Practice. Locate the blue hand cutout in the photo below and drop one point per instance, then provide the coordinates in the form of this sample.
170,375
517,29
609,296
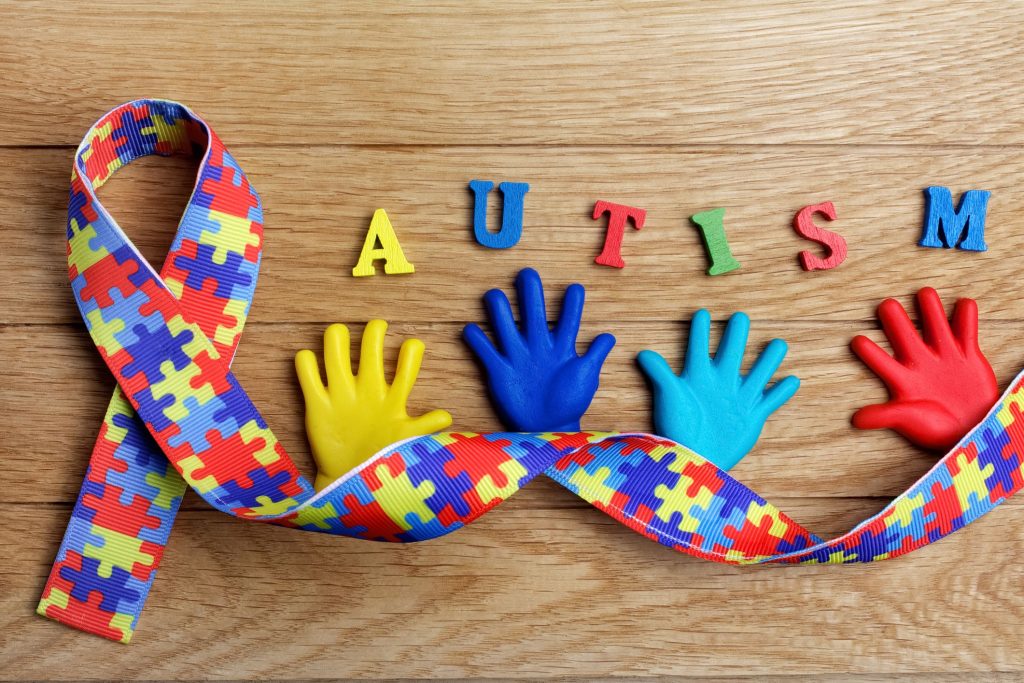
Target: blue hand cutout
536,380
711,408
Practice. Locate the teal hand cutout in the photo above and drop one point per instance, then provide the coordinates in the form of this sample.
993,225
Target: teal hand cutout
711,408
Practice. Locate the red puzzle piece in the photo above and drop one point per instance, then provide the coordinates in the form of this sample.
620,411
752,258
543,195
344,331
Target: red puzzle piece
478,457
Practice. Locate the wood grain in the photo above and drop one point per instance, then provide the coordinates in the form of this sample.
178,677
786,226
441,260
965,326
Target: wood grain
337,109
578,72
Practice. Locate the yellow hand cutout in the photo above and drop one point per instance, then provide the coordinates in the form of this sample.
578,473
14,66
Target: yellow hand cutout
354,417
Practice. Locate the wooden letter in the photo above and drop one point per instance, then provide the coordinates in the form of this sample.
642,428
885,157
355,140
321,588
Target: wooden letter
713,232
835,245
942,221
611,255
511,214
390,250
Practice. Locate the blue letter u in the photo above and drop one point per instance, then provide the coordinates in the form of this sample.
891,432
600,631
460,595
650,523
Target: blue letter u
511,215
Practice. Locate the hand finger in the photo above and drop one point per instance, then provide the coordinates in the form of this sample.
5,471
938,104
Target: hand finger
336,358
729,355
434,421
656,368
308,372
410,357
570,315
697,348
598,352
779,393
371,357
965,323
934,323
499,311
766,365
904,339
532,310
481,346
878,361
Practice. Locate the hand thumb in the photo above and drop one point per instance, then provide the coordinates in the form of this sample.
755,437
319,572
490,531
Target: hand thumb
598,351
922,423
885,416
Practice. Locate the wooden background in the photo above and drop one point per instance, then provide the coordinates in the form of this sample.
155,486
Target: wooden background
336,109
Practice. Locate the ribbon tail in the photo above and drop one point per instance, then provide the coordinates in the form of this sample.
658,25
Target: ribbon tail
118,531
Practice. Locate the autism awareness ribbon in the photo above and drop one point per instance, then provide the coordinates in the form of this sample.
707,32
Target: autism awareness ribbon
180,418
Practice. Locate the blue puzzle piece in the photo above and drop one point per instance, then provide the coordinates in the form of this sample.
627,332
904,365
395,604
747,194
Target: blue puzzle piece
236,407
534,456
421,531
115,589
137,136
77,201
669,533
234,494
80,531
152,410
719,516
429,466
234,271
200,420
870,543
800,542
152,348
1004,465
640,477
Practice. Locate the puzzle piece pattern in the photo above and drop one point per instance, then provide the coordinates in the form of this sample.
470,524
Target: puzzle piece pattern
180,418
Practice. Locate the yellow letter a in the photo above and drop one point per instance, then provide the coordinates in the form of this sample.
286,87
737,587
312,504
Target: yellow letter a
390,250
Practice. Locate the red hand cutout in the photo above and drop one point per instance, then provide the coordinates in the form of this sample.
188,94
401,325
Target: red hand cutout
940,385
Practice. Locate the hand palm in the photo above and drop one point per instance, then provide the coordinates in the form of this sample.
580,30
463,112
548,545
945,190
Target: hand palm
709,416
711,408
544,390
536,379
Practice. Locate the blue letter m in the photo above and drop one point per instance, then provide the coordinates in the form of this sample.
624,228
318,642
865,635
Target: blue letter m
945,227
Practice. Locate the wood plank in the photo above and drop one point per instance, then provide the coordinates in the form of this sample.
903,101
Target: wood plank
319,202
514,595
808,448
478,73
